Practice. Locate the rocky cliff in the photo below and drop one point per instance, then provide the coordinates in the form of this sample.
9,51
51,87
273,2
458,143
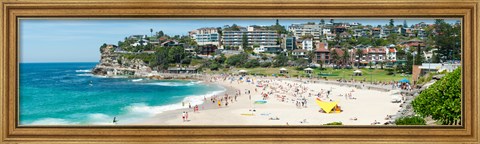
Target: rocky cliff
112,63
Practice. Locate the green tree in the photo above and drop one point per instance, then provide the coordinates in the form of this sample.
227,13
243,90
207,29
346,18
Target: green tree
391,23
280,60
442,100
392,38
301,62
447,40
321,64
266,64
401,54
221,59
381,64
435,58
252,63
409,64
410,120
359,53
345,57
419,56
322,21
245,42
176,54
405,24
161,58
335,58
151,32
237,60
370,64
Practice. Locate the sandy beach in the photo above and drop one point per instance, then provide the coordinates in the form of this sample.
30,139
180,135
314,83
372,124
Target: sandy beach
360,106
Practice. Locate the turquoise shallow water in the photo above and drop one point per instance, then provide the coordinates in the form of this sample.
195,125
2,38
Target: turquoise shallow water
66,93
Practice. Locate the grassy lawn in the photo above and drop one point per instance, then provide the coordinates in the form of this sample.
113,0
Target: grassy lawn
368,74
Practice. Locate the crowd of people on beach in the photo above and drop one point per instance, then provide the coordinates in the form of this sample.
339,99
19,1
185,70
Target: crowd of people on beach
290,91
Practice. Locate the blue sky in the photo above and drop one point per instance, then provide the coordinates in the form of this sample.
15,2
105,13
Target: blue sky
78,40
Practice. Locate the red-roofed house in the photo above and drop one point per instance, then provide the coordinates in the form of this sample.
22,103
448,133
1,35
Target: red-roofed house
392,54
322,54
378,54
360,59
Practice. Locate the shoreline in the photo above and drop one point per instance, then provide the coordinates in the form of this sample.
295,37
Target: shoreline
239,113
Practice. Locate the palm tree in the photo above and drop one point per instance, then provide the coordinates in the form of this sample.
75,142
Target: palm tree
321,64
381,64
151,31
359,53
345,56
335,57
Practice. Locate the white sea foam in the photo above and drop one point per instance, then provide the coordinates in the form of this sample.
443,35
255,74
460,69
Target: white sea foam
52,121
174,83
142,109
85,74
83,71
99,119
133,113
137,80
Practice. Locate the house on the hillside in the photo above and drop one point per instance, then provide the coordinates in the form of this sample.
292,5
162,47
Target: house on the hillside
182,70
378,54
171,43
330,37
361,59
392,54
141,42
207,49
299,53
307,44
322,54
274,49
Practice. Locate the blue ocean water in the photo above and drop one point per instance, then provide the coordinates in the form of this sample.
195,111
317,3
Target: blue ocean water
66,93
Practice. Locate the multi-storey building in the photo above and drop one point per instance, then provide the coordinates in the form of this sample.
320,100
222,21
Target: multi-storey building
299,30
392,54
289,43
361,58
259,37
205,36
377,54
307,44
322,54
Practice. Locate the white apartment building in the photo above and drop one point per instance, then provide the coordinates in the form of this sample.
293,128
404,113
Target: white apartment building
205,36
307,44
254,36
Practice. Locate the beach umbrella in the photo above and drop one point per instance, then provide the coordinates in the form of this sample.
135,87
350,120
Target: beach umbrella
326,106
404,80
308,70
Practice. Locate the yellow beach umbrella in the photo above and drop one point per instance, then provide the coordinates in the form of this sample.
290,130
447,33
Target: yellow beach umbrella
326,106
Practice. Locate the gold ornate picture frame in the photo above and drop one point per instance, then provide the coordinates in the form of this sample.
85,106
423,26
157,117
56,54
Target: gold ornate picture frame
12,11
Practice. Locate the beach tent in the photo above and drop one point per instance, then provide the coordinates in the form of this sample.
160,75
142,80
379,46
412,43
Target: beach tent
404,80
327,106
357,72
242,71
283,70
308,70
